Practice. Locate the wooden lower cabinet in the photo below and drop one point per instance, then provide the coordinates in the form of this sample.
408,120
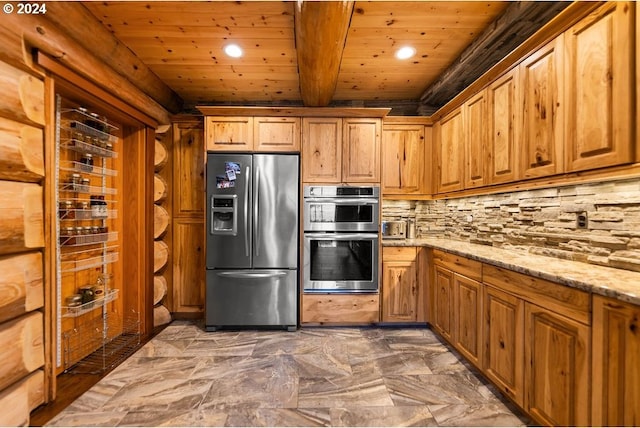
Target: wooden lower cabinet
402,296
616,363
468,318
188,266
504,342
557,358
443,302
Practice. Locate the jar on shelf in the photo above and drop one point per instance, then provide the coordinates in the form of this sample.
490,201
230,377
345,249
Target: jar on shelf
95,230
79,234
98,207
86,162
65,210
85,184
83,210
104,229
67,236
75,182
109,146
74,300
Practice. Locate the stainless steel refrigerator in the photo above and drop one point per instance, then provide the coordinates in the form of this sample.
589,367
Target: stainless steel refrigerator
252,240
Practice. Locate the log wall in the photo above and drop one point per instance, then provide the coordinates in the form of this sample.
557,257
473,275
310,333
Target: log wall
162,231
22,286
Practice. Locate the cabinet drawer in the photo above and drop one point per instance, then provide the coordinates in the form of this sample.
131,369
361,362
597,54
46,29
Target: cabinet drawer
340,308
460,265
391,254
573,303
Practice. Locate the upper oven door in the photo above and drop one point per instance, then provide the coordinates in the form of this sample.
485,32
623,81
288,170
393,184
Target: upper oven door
341,214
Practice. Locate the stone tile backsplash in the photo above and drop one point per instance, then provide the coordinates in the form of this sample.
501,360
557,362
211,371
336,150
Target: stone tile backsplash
596,223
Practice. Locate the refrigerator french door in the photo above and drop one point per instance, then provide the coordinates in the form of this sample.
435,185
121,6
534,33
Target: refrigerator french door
252,240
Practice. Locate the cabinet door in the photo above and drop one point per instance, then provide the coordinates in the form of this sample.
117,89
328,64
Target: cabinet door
468,318
599,88
276,134
616,363
557,372
504,119
475,111
403,159
443,311
504,342
321,150
188,265
229,133
399,285
361,150
543,124
450,152
188,169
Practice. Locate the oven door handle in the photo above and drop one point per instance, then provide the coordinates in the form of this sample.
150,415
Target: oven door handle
340,236
343,201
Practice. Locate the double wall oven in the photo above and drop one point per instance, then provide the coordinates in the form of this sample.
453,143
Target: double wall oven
341,239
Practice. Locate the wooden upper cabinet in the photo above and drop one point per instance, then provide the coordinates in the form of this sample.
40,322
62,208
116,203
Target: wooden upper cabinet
361,150
322,150
188,167
403,159
504,113
276,134
226,133
450,152
599,88
475,111
542,142
615,363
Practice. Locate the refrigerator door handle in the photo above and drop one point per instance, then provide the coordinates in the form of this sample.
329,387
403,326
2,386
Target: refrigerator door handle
256,213
252,275
246,211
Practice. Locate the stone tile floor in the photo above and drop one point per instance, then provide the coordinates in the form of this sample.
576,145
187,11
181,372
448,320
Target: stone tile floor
313,377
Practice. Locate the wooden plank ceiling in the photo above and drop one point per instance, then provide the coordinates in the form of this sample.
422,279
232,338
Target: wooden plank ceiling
182,43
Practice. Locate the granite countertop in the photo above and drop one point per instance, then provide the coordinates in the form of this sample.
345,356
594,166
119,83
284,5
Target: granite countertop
621,284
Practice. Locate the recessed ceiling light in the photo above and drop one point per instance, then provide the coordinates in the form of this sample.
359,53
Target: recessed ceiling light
405,52
233,51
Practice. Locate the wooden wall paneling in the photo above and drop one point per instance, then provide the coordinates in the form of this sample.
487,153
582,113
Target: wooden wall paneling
321,150
15,405
164,171
21,284
504,120
599,88
541,75
476,149
450,152
137,224
21,217
23,96
21,151
361,150
21,347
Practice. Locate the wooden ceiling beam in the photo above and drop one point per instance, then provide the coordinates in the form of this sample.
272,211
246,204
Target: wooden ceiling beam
321,31
516,24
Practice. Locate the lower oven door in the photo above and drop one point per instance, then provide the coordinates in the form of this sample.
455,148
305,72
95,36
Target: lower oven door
341,262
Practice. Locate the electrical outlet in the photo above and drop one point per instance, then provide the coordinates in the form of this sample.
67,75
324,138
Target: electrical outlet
582,221
469,218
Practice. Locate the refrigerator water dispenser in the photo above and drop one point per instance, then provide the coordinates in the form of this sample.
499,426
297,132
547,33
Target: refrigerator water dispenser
224,212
